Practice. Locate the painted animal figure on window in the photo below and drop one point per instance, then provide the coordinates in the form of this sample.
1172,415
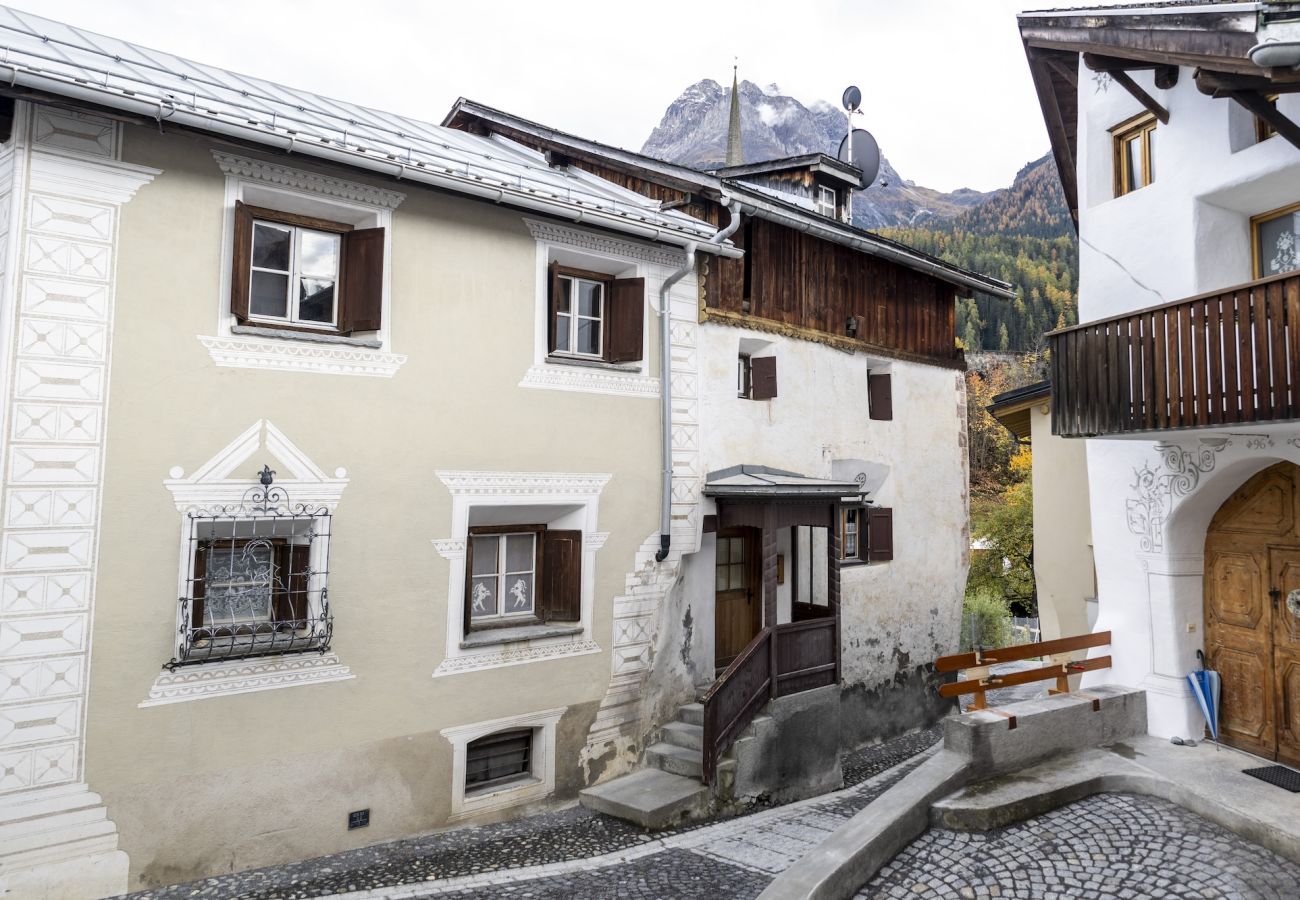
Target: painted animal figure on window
520,593
480,597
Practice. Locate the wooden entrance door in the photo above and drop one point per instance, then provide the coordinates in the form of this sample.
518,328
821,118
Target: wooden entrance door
737,604
1252,562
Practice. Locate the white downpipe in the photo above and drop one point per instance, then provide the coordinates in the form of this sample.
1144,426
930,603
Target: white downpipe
666,381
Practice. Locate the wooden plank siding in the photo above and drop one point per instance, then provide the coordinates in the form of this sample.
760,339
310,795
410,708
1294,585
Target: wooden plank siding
806,286
1222,358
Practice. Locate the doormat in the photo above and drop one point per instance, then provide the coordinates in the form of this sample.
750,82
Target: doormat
1278,775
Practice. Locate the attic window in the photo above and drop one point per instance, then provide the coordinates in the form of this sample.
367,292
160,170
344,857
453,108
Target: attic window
826,201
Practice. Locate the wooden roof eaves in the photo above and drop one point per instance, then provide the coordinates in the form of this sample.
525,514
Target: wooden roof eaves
1052,87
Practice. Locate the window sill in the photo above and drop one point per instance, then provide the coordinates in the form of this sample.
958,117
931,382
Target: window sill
312,337
493,636
241,351
224,678
632,368
505,787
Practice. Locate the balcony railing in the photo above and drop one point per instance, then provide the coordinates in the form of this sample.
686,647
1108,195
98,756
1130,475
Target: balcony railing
1225,358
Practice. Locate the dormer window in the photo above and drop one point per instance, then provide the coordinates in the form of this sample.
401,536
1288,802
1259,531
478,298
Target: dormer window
826,201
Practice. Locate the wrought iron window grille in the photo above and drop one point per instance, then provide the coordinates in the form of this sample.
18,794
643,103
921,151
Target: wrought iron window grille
256,579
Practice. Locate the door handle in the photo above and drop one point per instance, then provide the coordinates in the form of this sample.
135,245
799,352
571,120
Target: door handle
1275,594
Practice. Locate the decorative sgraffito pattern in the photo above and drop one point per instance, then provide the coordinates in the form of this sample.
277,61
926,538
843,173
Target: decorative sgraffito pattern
65,209
1157,490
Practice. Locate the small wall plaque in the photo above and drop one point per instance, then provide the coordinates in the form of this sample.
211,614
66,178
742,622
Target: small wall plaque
359,818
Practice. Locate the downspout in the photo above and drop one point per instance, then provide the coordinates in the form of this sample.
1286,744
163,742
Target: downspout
665,378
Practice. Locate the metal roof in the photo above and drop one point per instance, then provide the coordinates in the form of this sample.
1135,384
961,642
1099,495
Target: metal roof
1154,7
762,481
57,59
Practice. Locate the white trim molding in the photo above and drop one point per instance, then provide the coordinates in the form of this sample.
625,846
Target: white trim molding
573,496
276,186
540,784
223,679
220,484
598,252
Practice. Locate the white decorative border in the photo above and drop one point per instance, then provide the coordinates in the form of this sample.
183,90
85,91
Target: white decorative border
651,262
223,679
357,204
252,353
271,173
542,783
470,489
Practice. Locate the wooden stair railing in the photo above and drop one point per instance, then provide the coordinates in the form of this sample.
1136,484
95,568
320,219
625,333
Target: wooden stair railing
978,678
736,697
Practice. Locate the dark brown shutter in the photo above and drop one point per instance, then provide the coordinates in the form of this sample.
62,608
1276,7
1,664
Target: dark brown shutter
762,374
362,299
562,575
290,586
243,249
880,534
198,587
552,297
880,397
624,324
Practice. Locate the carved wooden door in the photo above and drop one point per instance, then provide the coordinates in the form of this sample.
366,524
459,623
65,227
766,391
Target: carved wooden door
737,601
1285,570
1252,563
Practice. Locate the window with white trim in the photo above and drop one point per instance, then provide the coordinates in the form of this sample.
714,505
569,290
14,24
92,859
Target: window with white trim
826,200
594,316
522,575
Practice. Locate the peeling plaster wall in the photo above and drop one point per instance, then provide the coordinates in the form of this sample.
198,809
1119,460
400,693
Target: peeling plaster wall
897,616
1186,233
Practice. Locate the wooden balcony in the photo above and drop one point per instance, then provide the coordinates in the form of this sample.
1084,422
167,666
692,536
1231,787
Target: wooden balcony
1231,357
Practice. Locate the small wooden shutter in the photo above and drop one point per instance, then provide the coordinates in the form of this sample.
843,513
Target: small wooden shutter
362,297
880,534
198,586
243,249
291,583
562,575
880,397
624,323
552,297
762,374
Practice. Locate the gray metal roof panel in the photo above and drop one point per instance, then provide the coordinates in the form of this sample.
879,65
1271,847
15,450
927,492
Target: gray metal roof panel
126,76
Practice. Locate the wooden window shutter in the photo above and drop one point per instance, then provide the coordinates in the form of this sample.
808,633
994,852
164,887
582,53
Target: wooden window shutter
362,296
880,534
243,249
762,373
552,297
624,324
562,575
290,591
198,588
880,397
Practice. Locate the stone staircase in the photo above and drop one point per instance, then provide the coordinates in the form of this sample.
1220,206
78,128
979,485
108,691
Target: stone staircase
670,788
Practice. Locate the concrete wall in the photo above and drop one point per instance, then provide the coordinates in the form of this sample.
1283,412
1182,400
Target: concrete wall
1063,568
1186,233
897,616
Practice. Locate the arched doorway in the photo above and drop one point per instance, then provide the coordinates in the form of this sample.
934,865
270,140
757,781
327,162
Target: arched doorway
1252,564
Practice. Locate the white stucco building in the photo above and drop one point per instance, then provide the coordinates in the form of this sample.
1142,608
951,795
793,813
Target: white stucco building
1173,126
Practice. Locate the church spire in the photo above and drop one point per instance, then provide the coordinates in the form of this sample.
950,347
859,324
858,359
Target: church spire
735,154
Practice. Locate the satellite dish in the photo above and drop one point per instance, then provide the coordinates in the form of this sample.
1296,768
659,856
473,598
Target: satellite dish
852,98
866,156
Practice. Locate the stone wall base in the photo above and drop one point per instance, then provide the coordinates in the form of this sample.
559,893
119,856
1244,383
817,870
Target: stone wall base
59,844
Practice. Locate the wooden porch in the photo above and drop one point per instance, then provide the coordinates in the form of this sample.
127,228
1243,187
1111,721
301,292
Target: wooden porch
1229,357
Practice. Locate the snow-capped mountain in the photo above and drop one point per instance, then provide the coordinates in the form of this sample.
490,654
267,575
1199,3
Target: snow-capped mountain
693,132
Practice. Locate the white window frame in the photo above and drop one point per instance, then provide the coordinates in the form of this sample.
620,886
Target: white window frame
501,575
295,277
540,783
824,206
577,496
574,317
218,484
273,186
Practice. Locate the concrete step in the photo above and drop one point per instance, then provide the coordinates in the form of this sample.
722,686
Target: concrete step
649,797
691,714
677,760
682,734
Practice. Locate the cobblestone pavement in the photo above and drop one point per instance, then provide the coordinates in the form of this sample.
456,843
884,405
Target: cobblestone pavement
1107,847
569,839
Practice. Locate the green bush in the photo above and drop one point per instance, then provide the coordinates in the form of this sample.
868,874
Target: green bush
986,619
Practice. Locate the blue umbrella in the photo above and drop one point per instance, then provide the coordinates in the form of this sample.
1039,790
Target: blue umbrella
1206,686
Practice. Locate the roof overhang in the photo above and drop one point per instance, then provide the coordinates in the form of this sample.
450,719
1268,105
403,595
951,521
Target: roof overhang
1213,38
753,483
817,163
1014,409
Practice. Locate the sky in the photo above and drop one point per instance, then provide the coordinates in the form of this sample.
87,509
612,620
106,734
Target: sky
946,90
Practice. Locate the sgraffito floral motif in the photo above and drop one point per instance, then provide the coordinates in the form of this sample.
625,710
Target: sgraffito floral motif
1157,489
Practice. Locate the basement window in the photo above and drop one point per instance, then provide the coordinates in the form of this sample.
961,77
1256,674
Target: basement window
499,759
